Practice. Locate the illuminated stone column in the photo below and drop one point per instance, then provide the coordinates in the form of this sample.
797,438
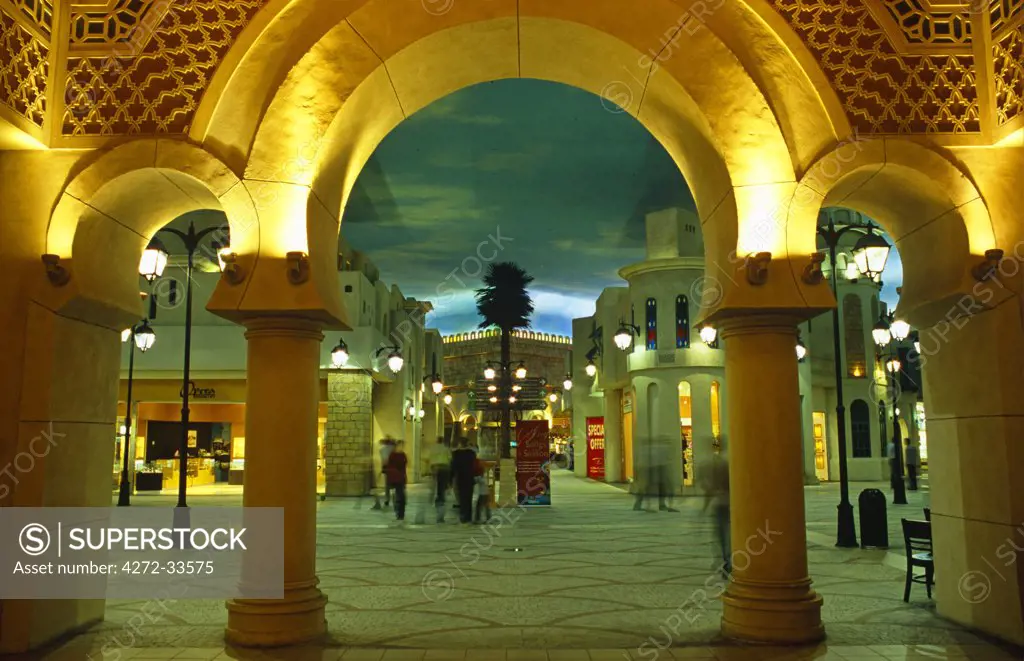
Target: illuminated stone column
974,403
613,435
280,471
769,598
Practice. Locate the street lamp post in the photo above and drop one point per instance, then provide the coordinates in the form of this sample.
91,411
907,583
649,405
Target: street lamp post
889,333
870,260
191,240
141,335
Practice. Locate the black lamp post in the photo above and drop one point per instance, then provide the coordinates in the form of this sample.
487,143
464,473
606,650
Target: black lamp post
142,336
191,240
888,333
870,254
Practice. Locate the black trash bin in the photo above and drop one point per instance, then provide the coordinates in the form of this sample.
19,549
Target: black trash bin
874,528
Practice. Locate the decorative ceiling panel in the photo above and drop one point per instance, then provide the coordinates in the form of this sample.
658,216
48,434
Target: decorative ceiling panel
922,24
1009,68
38,12
113,24
1005,14
157,69
882,90
24,70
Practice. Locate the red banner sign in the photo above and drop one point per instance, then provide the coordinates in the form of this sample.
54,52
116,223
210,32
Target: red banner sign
532,455
595,448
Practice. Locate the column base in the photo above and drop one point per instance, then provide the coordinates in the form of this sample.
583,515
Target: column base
296,619
783,613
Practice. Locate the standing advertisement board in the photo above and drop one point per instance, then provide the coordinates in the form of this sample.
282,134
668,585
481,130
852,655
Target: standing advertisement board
533,481
595,448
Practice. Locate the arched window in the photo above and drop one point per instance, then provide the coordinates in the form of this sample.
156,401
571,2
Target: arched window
682,322
652,324
853,336
860,428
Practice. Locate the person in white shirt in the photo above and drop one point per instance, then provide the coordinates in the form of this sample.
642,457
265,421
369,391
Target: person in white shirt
440,458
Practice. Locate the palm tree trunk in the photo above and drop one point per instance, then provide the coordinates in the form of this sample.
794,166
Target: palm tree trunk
506,392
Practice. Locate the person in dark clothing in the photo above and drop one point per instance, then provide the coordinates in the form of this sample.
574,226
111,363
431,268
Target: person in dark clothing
463,474
394,470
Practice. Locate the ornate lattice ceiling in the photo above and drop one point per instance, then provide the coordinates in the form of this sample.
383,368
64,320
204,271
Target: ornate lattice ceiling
136,67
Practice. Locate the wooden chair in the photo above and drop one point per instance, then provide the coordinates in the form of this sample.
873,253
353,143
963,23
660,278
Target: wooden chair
918,538
928,514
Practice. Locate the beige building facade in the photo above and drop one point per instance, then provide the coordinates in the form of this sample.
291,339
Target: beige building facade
108,136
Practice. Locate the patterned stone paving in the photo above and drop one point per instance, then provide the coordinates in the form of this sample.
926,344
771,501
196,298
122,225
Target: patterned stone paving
588,573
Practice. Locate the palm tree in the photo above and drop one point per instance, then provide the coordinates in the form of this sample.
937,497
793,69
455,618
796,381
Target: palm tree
504,303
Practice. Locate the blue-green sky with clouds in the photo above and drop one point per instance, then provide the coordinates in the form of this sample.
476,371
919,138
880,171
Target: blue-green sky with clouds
545,172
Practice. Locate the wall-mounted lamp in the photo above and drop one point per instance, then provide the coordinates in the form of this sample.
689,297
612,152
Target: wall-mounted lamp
521,371
567,383
489,371
395,359
339,354
298,267
591,368
813,274
987,267
709,334
801,350
757,268
57,274
623,337
447,398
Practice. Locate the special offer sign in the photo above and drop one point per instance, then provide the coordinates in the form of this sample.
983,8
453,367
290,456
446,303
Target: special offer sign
595,448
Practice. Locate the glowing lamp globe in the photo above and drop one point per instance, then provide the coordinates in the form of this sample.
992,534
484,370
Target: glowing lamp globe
709,334
521,371
871,253
567,384
447,399
880,333
801,350
437,386
145,337
153,261
623,338
553,397
339,354
488,372
900,330
591,368
395,362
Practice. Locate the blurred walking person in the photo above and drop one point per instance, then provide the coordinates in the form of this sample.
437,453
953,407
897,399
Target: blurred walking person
440,467
714,480
395,474
913,455
483,493
463,473
387,446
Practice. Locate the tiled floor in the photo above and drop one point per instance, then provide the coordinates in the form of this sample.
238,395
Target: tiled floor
587,578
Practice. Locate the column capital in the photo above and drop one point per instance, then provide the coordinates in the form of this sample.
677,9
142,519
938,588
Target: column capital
283,326
773,323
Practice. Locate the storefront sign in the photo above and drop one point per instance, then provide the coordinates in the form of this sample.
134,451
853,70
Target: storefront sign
595,448
532,453
198,393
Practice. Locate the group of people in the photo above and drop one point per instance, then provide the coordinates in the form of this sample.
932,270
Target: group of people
460,470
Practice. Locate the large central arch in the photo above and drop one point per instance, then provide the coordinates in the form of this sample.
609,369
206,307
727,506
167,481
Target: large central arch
312,88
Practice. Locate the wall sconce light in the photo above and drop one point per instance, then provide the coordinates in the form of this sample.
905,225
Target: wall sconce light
812,272
57,274
229,267
298,267
757,268
987,267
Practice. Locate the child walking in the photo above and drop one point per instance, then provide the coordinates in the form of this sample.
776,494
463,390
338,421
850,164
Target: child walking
483,496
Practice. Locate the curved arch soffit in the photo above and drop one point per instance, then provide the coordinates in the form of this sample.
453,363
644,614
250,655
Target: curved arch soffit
714,121
930,208
117,200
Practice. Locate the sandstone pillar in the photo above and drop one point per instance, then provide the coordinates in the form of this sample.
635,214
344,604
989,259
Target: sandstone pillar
280,471
769,598
349,445
613,435
974,403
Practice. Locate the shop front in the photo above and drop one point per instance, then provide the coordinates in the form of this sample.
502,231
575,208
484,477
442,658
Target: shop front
215,444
